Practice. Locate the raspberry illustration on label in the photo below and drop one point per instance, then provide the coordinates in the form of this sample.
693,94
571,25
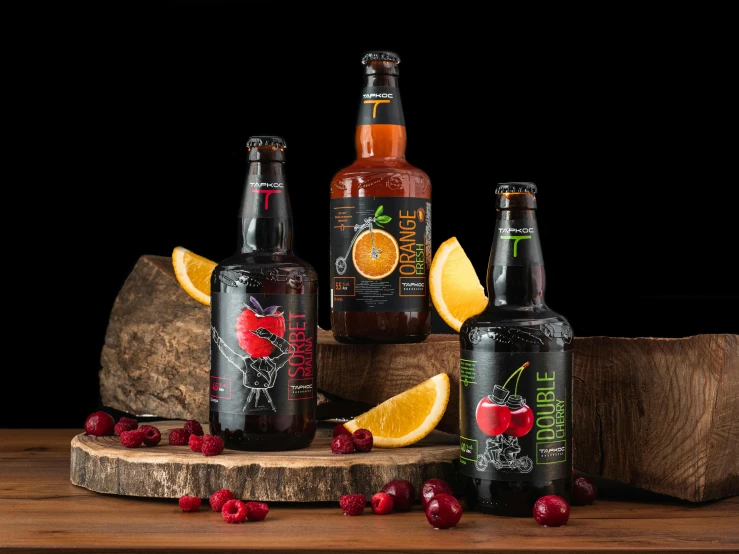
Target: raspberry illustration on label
260,335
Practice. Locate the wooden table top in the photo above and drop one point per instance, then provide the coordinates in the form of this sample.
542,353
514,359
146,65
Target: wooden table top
40,511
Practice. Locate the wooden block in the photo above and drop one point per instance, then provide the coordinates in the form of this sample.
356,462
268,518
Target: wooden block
313,474
658,414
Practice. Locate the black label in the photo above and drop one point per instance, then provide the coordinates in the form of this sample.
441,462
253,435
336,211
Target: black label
265,196
380,254
515,415
516,242
262,348
380,105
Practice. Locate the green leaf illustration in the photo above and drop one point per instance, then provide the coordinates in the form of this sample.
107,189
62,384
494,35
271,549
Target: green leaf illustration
383,219
378,211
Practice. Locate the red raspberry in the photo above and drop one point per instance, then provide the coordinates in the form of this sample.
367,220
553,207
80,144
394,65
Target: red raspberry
219,498
190,503
342,444
132,439
234,511
100,424
382,503
193,427
212,445
121,426
196,443
363,440
256,511
341,430
352,504
178,437
134,423
152,436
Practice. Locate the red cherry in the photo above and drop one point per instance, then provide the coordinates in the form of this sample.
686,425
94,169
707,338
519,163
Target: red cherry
443,511
551,511
584,491
431,488
522,417
492,418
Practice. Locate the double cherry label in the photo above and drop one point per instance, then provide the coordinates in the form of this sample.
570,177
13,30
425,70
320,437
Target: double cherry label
505,413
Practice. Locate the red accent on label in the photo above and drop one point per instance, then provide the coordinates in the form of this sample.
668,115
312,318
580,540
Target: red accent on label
220,387
266,195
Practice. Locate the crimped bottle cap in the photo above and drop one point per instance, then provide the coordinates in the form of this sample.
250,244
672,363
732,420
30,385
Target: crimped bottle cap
381,55
262,140
515,187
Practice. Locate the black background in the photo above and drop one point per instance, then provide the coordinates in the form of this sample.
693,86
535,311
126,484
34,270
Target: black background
135,135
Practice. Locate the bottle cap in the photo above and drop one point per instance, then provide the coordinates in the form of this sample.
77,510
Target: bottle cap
515,187
381,55
262,140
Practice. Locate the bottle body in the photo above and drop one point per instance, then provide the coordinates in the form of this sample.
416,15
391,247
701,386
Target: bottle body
515,376
264,320
380,225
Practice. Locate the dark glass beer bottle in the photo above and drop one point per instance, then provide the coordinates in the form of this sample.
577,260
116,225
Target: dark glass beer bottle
264,320
515,374
380,223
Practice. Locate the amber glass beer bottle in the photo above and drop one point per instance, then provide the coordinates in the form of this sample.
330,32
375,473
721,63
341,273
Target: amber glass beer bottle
263,319
380,223
515,374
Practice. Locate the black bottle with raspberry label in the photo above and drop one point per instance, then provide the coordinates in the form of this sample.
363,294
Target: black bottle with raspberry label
515,374
264,320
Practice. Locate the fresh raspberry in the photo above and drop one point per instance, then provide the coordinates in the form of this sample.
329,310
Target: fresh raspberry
193,427
152,436
363,440
382,503
352,504
256,511
190,503
234,511
219,498
134,423
100,424
121,426
196,443
178,437
212,445
402,492
342,444
341,430
132,439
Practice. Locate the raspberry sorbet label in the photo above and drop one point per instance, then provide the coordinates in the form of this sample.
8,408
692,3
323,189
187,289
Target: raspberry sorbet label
380,254
515,420
262,348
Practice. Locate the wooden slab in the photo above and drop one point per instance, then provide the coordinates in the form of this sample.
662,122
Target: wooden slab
313,474
42,512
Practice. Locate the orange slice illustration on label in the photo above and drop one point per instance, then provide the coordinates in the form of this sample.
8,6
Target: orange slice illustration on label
375,254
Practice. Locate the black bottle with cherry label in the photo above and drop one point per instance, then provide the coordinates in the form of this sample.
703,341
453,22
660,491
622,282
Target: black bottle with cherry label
515,374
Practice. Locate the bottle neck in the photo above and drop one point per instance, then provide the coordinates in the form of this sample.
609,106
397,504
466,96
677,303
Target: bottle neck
265,217
380,129
516,274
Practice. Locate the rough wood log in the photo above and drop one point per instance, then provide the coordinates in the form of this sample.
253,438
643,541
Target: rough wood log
658,414
312,474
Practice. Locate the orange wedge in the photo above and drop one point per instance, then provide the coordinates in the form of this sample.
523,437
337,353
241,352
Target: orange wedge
193,273
406,417
455,288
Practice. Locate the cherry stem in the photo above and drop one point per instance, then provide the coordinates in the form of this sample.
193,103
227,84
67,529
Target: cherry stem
518,373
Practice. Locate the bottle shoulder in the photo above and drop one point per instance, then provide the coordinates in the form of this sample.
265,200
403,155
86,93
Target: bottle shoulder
256,269
362,179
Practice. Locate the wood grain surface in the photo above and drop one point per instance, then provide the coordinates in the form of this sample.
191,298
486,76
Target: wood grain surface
313,474
41,511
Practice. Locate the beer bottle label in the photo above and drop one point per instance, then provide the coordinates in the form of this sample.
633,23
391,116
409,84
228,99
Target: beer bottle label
516,242
380,105
515,415
261,356
380,254
265,196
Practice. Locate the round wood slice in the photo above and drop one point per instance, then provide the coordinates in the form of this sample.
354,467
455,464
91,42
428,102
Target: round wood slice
313,474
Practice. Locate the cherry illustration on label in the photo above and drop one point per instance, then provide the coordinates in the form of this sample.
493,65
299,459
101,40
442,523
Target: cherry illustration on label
253,318
503,412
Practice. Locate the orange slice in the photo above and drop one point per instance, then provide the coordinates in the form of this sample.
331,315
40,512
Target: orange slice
380,262
454,285
406,417
193,273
